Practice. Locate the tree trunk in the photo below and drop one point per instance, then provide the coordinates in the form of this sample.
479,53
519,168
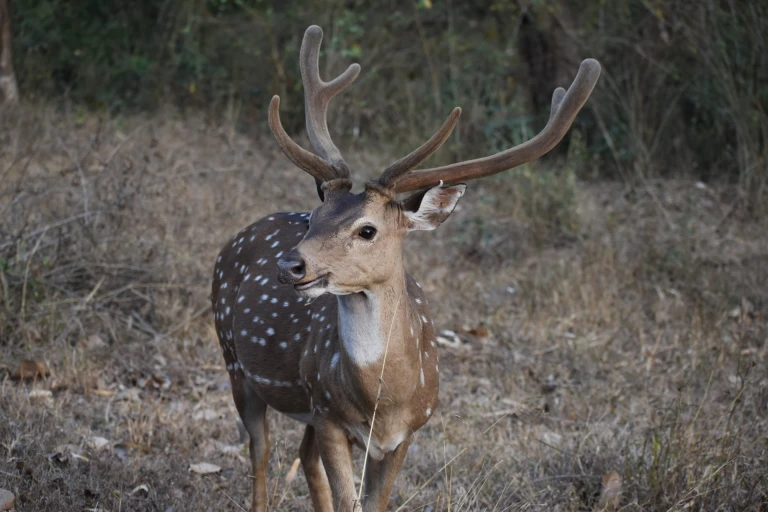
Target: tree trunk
9,90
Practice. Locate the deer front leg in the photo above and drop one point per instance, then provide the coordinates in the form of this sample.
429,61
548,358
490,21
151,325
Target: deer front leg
336,454
317,481
253,411
380,477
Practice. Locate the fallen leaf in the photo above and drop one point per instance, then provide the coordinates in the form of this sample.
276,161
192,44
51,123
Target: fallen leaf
479,332
204,468
205,415
229,449
28,369
161,361
292,472
93,342
140,488
7,500
449,339
155,381
64,452
96,442
609,497
44,396
130,394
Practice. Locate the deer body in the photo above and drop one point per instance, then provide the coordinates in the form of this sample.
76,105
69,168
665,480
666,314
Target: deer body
316,315
298,353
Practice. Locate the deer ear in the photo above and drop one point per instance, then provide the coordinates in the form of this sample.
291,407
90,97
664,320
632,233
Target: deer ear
427,210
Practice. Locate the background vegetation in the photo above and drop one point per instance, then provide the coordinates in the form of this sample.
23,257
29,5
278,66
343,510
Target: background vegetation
608,306
684,91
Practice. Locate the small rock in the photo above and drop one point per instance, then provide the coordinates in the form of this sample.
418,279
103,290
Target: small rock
7,500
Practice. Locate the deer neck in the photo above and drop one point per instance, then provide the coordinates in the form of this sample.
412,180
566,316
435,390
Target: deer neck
373,323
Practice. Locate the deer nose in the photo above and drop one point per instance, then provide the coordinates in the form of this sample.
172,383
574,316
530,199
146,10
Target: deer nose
291,268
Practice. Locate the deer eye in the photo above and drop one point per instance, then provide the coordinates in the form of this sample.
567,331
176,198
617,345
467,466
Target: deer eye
367,232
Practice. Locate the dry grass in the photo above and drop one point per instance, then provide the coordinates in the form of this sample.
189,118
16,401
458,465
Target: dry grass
628,331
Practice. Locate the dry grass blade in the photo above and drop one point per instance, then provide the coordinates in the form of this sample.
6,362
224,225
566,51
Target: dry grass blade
225,494
376,404
429,480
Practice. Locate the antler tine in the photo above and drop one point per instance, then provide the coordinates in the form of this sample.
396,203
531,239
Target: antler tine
557,99
565,106
317,95
417,157
302,158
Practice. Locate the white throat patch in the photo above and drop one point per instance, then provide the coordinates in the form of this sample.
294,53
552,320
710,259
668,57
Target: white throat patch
360,328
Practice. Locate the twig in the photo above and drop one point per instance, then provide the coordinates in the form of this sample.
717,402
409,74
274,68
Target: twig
47,227
378,398
225,494
81,173
710,477
184,323
430,479
26,277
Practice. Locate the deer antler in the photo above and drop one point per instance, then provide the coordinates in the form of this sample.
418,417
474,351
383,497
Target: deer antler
417,157
565,106
328,163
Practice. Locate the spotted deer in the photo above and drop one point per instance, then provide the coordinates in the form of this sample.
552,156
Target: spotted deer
316,314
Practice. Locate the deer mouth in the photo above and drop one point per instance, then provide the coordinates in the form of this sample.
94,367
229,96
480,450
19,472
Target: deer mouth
320,281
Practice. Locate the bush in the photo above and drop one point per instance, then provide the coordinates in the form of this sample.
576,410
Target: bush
683,90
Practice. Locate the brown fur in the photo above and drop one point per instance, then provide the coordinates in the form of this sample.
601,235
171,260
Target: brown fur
288,352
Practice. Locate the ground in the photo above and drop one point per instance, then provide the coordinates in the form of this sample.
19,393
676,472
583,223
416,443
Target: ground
610,347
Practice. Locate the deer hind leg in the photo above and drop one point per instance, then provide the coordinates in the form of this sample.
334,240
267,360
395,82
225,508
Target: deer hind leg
380,477
319,489
253,411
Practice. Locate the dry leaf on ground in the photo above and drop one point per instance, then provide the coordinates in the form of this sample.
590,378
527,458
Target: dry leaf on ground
609,497
93,342
28,369
205,415
140,488
44,396
65,452
7,500
292,472
204,468
96,442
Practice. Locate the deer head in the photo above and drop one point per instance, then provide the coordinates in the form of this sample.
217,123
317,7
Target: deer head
354,240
